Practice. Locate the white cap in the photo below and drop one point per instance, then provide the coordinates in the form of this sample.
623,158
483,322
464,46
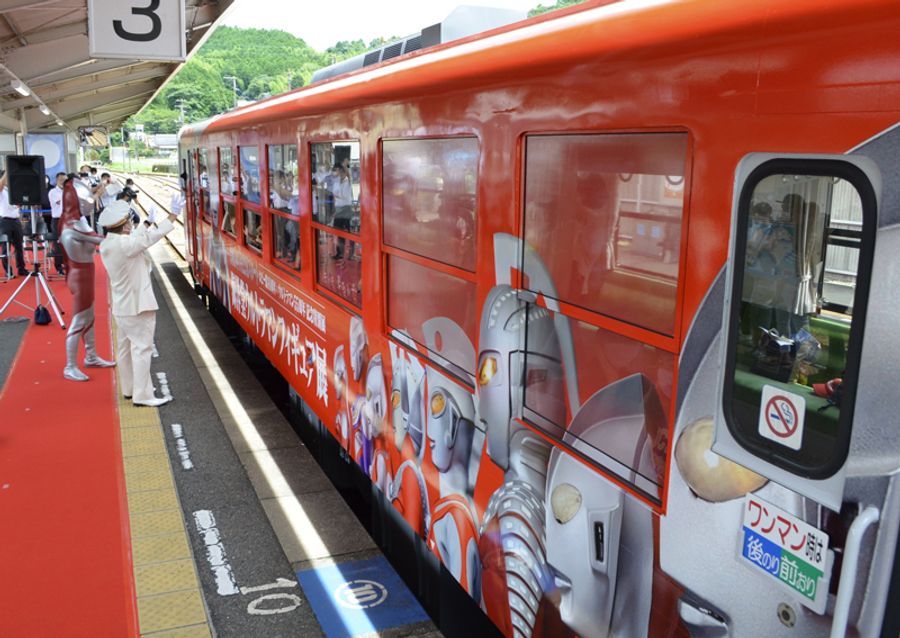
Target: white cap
115,214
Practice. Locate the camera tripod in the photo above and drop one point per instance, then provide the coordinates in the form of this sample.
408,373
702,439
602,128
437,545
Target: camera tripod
40,282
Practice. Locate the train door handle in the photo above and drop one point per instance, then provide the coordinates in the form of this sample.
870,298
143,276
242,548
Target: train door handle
848,569
701,622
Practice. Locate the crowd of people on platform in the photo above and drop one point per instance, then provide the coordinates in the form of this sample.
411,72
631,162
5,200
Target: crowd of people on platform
81,214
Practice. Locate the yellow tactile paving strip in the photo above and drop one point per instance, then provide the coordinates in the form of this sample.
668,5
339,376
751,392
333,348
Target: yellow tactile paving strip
169,601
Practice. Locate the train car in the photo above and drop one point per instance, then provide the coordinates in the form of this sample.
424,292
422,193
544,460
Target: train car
558,290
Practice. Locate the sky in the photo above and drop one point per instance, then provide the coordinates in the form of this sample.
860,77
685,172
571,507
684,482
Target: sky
323,23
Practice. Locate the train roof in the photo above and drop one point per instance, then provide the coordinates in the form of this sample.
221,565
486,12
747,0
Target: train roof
636,31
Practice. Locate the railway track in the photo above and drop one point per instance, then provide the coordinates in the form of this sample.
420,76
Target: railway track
159,190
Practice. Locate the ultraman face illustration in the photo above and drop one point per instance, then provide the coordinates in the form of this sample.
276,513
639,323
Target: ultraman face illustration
450,425
399,395
358,344
581,507
340,373
376,399
407,404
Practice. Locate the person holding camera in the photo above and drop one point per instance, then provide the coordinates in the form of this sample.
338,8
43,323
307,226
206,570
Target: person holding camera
133,302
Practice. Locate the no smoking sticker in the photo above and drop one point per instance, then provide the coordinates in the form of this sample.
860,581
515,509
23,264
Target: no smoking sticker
781,416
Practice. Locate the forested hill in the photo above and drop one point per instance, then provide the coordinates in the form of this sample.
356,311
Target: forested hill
262,62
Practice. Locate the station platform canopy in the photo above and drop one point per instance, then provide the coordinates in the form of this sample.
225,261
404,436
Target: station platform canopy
50,83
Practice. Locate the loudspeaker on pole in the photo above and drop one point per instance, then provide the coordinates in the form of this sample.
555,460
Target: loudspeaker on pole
25,178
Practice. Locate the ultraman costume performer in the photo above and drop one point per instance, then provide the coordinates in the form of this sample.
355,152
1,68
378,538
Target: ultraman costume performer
79,244
453,535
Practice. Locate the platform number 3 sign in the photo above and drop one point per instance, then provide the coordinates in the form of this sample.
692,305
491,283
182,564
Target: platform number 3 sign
137,29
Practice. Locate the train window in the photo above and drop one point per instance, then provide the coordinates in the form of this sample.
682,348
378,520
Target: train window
283,178
436,309
429,188
192,172
248,184
342,276
227,175
229,218
802,258
625,388
203,160
604,213
253,229
213,202
286,240
335,205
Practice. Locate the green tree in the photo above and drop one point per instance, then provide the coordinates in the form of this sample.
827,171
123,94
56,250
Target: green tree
538,10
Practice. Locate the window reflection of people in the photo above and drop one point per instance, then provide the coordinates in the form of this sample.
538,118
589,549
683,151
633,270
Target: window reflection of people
343,207
774,272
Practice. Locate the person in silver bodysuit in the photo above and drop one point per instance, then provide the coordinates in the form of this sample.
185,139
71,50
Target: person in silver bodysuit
78,244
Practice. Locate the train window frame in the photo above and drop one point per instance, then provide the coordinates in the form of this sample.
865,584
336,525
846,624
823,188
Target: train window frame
437,266
270,175
280,263
352,240
253,209
230,150
777,454
204,194
628,476
474,235
242,193
668,339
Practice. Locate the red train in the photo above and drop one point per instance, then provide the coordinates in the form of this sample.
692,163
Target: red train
603,303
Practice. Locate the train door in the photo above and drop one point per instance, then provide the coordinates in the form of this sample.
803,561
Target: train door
783,506
186,184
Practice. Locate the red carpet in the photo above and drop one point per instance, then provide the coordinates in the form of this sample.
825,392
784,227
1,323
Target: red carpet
65,552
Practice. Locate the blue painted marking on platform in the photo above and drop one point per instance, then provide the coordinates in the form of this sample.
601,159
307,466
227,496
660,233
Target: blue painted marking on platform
359,597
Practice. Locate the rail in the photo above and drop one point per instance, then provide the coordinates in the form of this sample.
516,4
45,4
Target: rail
141,181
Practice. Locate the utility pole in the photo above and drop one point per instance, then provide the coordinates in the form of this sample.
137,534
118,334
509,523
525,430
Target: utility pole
180,104
233,86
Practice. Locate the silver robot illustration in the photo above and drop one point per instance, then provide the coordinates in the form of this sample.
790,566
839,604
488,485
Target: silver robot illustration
453,535
376,460
342,396
408,492
512,535
339,373
358,347
407,397
600,540
79,244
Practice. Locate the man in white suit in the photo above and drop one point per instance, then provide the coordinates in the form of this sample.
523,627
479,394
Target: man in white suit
133,302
